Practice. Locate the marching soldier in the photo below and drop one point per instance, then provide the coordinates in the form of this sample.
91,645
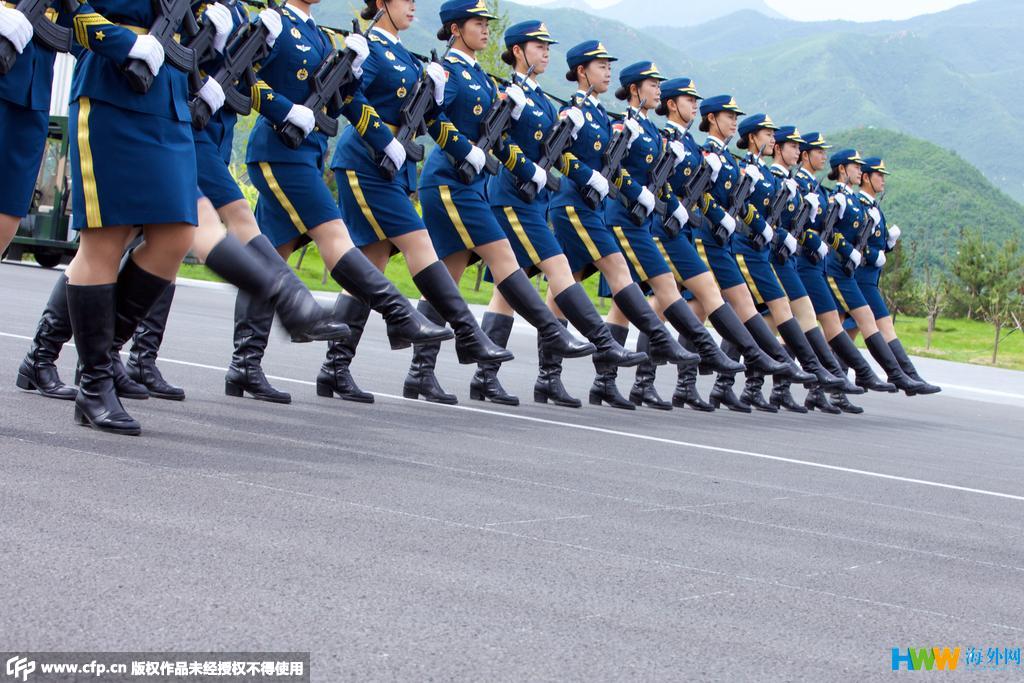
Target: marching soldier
524,220
458,215
881,241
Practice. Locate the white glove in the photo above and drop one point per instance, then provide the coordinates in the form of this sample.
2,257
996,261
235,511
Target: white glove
840,198
15,27
272,20
212,94
856,257
822,251
302,117
646,200
476,159
714,160
880,259
681,215
633,129
576,116
396,153
599,183
518,97
754,172
814,200
729,223
768,233
220,16
436,73
875,214
540,178
678,151
894,236
792,187
791,244
148,49
357,43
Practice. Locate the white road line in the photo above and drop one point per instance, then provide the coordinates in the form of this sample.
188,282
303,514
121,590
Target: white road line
640,437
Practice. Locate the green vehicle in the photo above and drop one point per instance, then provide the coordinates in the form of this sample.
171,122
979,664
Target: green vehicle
45,231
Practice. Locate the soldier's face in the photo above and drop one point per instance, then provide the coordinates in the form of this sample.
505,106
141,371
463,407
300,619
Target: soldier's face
599,75
726,122
788,154
877,181
817,158
402,12
537,55
762,140
650,90
854,174
476,34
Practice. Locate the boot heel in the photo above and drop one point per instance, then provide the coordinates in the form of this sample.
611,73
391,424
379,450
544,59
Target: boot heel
715,402
476,394
80,417
233,389
399,344
324,390
539,397
809,405
410,393
595,399
24,382
636,400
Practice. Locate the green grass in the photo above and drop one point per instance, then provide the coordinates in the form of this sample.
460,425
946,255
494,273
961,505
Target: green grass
312,273
963,341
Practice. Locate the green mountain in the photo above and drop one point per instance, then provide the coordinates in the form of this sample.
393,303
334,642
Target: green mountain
933,194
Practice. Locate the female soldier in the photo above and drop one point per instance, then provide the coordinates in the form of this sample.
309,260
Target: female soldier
525,221
713,241
679,104
459,219
810,266
753,255
882,240
846,171
380,212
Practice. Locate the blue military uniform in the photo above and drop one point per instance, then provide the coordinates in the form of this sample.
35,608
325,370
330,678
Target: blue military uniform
844,288
580,230
808,267
457,214
214,143
132,155
375,208
868,274
786,272
24,107
293,195
756,264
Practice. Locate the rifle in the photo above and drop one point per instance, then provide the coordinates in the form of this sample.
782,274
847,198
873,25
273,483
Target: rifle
611,165
555,144
170,14
779,203
738,199
492,129
333,74
862,240
828,226
658,177
49,34
412,119
247,46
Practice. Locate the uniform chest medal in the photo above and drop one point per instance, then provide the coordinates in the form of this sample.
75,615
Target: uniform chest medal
590,117
467,76
295,33
478,110
390,55
538,135
687,171
401,92
728,184
597,145
856,224
302,74
650,158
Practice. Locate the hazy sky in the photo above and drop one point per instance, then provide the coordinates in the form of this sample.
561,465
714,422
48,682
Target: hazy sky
813,10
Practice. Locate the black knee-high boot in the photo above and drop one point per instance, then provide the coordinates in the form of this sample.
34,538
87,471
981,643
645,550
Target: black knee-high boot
604,389
817,400
686,393
579,309
38,370
726,322
421,380
91,310
485,385
335,375
722,393
254,318
782,397
865,377
880,351
663,346
548,386
146,341
908,367
762,334
817,340
471,344
681,317
525,300
643,391
796,340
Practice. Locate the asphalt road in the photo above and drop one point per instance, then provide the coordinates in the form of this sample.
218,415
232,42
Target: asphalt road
410,541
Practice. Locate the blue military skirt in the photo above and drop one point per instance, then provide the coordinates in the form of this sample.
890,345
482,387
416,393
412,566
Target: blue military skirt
718,258
845,289
790,279
459,218
293,199
812,275
528,232
757,271
868,285
129,168
637,244
215,179
375,209
584,236
22,143
679,253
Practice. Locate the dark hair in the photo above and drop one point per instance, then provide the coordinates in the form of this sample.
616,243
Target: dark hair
743,142
445,32
705,124
834,174
572,75
662,108
508,57
370,11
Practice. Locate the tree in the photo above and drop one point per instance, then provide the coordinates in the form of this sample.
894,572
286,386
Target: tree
934,293
1002,300
490,59
968,267
898,288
